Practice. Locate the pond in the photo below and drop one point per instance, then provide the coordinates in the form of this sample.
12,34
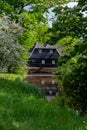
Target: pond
45,83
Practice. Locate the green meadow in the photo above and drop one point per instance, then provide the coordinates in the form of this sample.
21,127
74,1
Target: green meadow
22,107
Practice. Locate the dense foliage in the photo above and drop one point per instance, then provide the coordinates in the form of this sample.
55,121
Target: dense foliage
20,28
11,58
70,36
32,16
15,20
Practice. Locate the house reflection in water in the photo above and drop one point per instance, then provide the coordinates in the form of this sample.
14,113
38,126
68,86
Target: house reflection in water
42,62
45,83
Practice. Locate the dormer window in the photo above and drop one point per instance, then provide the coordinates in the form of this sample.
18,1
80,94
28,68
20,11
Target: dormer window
53,62
51,51
40,51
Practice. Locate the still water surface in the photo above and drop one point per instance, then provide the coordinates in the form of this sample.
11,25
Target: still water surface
44,82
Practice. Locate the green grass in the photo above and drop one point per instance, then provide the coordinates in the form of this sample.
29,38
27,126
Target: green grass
10,76
22,107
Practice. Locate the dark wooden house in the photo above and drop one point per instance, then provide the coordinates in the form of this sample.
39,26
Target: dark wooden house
43,55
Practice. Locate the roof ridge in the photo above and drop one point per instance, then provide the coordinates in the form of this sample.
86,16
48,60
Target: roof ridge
48,46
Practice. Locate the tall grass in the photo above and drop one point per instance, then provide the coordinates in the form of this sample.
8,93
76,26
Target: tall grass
22,107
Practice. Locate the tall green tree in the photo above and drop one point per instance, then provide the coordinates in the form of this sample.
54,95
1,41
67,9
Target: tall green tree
69,32
11,58
32,20
69,21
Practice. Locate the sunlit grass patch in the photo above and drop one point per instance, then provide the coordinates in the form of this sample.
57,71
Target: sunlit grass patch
10,76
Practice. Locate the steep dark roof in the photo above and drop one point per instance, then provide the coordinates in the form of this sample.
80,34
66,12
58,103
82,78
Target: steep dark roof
45,52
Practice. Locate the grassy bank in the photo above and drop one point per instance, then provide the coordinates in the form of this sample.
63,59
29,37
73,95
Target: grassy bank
22,107
10,76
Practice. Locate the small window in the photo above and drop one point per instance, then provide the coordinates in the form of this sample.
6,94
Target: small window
51,51
53,62
53,82
40,51
33,60
42,82
43,61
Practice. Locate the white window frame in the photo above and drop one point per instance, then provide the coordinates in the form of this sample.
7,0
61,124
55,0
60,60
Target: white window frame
43,61
51,51
40,51
53,62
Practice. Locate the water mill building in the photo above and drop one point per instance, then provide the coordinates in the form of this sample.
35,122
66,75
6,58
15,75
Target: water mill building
43,56
42,63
